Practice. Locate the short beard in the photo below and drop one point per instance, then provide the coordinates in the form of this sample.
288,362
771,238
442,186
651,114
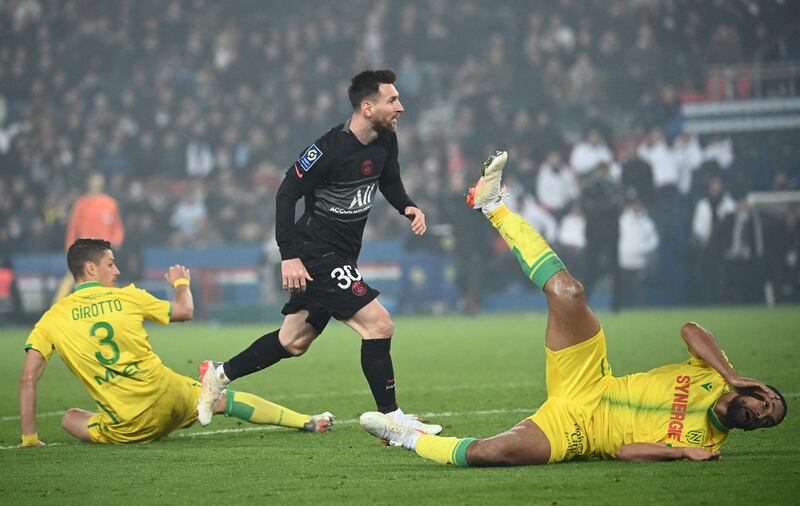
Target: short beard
735,417
384,128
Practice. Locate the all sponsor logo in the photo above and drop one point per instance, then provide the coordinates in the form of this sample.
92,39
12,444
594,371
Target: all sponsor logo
366,167
363,196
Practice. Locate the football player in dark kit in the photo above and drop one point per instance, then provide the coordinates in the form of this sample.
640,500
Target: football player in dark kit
338,175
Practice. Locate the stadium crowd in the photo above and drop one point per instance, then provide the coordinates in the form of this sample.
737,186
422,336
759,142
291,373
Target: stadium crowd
193,110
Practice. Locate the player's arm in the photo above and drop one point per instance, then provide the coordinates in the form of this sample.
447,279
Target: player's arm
649,452
302,177
179,277
391,186
31,372
702,345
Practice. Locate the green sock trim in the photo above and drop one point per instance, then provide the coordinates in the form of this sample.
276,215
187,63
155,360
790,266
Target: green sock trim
238,410
229,402
546,270
460,451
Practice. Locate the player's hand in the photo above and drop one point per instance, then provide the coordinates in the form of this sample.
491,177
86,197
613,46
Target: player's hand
750,385
417,218
700,454
294,275
177,272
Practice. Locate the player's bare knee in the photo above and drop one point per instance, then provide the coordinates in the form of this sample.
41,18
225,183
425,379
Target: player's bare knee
298,347
69,418
384,327
567,289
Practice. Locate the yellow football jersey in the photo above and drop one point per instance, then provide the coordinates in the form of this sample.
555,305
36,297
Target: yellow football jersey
99,333
673,404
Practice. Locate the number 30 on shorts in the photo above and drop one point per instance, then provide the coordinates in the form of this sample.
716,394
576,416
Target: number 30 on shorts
344,275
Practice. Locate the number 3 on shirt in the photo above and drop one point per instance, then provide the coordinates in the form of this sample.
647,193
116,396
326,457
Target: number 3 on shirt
106,341
345,276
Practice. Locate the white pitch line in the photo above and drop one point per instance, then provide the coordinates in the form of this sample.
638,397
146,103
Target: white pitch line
258,428
43,415
364,391
353,420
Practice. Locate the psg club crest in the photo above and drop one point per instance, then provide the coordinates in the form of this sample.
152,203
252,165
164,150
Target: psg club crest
366,167
359,288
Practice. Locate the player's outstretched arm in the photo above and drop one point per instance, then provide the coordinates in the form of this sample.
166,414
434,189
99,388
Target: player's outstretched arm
31,372
417,218
649,452
702,344
179,277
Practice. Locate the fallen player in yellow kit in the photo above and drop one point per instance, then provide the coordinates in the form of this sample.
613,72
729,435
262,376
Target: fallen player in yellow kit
679,411
98,332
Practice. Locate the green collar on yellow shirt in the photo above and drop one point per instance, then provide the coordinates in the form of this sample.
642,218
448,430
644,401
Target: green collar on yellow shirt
87,284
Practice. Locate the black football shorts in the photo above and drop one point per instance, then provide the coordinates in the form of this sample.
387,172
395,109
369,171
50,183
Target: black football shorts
338,291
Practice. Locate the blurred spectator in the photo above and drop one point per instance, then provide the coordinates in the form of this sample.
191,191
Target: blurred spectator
556,185
95,215
711,231
601,200
688,157
589,153
637,176
638,240
189,217
572,240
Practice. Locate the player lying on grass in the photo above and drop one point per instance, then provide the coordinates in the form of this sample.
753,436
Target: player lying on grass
673,412
98,332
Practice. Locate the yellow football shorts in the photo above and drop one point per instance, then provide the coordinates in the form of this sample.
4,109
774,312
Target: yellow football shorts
175,409
577,377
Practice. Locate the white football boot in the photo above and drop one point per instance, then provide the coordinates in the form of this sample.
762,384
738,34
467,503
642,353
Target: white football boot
383,427
488,189
213,386
413,422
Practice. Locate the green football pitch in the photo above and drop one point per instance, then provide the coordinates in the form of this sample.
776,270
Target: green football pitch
475,376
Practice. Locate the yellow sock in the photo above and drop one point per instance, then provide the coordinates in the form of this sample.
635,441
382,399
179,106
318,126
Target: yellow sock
252,408
444,450
538,261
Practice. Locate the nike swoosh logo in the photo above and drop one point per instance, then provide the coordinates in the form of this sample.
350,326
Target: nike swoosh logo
300,175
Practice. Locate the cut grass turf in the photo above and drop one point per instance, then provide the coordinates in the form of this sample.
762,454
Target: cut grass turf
475,376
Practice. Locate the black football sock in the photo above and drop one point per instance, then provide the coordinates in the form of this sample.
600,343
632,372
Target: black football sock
265,351
376,362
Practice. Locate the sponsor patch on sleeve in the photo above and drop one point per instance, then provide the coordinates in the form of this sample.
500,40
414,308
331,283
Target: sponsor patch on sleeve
310,157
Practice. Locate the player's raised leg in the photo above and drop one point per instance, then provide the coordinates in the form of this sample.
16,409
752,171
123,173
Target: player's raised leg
374,324
570,320
524,444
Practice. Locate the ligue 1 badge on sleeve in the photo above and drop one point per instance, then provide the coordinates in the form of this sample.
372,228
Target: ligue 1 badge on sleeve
310,157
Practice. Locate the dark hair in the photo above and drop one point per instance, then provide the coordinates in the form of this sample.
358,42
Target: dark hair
783,401
366,83
85,250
